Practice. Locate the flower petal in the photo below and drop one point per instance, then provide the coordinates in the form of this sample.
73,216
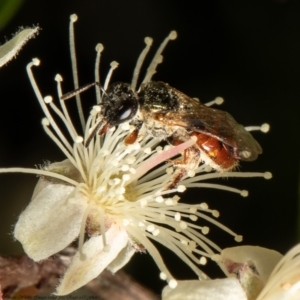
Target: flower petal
218,289
264,260
50,222
122,259
96,259
252,265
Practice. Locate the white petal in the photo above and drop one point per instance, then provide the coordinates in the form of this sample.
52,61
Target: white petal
97,259
122,259
284,282
218,289
50,222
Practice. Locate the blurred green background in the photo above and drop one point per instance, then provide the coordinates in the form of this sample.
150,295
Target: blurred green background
245,51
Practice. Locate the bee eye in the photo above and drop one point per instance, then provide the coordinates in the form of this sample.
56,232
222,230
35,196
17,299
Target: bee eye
125,112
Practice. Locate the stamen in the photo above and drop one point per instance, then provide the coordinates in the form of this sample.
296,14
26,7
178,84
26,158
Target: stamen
113,65
158,57
68,122
73,19
136,72
58,143
172,283
45,108
35,62
41,173
217,101
263,128
99,49
151,250
197,180
68,125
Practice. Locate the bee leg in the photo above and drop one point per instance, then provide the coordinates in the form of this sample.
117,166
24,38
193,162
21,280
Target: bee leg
178,175
189,161
133,136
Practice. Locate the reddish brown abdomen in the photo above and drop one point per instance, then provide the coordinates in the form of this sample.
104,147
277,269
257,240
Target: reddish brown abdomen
218,152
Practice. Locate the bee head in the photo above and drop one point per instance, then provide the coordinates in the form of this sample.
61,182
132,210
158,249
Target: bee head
120,103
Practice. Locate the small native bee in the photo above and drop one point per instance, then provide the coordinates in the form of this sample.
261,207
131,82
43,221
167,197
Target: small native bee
163,112
166,113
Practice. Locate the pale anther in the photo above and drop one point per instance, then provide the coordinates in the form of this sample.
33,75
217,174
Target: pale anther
203,260
74,18
219,100
244,193
126,177
205,230
159,199
150,228
268,175
58,78
191,173
45,122
156,232
114,64
265,127
36,61
48,99
125,126
173,35
78,139
177,216
181,188
148,40
125,168
216,213
238,238
183,225
172,283
203,206
99,47
193,218
147,150
176,198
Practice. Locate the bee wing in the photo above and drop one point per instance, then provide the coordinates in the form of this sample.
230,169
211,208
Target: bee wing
195,116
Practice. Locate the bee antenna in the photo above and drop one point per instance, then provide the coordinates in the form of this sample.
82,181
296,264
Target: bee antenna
80,90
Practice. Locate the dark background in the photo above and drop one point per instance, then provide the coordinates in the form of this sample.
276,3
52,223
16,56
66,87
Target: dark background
245,51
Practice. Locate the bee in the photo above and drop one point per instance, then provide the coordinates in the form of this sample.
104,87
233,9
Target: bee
164,112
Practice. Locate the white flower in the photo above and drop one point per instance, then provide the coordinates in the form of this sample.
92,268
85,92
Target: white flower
252,265
261,274
284,281
113,192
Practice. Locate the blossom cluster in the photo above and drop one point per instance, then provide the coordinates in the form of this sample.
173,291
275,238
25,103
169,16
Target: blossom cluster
114,198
